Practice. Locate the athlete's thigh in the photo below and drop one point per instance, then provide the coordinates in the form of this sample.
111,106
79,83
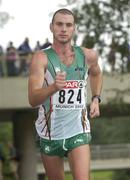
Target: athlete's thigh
79,160
54,167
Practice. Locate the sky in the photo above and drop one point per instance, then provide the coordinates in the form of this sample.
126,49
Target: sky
30,18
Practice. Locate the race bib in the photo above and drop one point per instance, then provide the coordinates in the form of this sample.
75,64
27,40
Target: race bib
71,96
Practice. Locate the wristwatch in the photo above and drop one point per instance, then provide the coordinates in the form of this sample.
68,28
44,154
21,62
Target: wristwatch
98,97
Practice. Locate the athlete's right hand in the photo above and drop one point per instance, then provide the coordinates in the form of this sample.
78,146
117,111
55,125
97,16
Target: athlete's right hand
60,80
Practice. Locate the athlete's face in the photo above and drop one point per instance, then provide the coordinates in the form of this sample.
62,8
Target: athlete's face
63,27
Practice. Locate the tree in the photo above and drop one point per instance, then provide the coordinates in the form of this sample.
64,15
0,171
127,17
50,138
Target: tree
106,26
4,17
122,174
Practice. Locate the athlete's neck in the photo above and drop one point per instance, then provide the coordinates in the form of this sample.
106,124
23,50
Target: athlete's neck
65,52
63,49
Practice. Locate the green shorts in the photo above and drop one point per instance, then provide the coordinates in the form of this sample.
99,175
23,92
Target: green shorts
63,146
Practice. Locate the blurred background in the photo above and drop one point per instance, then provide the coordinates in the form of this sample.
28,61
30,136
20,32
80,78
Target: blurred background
24,28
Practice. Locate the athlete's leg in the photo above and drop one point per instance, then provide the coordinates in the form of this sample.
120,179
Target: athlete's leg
79,160
54,167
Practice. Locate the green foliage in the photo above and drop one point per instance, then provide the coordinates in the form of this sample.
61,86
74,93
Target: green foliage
116,106
5,132
108,130
105,25
121,175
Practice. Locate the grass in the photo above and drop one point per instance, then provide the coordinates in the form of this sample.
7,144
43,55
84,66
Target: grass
95,175
101,175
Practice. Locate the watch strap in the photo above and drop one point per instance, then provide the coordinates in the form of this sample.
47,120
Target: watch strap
98,97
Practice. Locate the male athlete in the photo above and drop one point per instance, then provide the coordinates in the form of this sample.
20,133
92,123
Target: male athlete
57,84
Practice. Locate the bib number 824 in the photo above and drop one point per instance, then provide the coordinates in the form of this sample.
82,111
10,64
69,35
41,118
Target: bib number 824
70,95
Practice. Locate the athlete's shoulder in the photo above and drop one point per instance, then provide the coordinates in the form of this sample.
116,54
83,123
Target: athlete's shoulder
39,57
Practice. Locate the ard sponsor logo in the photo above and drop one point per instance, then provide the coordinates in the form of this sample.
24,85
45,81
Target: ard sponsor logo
74,84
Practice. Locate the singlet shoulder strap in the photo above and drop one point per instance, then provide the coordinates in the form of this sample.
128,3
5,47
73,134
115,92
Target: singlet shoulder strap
81,59
53,61
80,56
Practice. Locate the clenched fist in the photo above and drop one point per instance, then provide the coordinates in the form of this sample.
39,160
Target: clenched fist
60,80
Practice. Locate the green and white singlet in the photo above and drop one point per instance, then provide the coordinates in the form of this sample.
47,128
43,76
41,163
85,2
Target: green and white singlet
64,114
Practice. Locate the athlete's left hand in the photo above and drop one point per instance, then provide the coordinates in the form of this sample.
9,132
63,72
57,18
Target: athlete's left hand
94,109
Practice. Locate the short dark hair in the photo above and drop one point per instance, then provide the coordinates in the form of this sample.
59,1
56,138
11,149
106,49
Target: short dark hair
63,11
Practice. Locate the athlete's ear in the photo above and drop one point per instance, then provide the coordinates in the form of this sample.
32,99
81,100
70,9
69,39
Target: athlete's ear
51,28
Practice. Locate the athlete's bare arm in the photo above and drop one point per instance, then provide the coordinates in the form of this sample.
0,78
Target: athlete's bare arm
37,94
95,76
